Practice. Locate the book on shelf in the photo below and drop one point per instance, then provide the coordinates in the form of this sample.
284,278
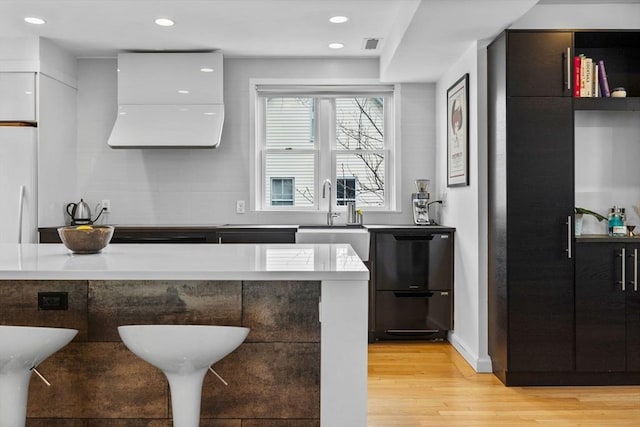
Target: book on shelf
583,75
596,84
602,76
589,77
576,76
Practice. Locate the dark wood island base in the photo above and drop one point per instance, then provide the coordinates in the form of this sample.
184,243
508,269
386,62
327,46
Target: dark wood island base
274,376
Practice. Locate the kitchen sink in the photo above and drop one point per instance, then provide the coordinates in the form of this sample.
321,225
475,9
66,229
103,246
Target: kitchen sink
328,227
357,236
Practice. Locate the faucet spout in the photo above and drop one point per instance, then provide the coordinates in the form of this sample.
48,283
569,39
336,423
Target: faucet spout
330,214
325,184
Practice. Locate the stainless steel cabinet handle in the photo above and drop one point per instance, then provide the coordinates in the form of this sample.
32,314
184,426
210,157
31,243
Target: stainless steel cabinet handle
569,237
635,270
568,68
623,256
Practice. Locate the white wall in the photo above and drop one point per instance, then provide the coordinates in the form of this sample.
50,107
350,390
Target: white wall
466,210
57,160
607,153
199,186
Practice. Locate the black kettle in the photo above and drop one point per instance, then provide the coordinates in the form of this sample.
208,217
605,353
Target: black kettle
79,213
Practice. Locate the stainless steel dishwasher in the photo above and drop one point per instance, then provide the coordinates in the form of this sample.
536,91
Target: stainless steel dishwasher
412,275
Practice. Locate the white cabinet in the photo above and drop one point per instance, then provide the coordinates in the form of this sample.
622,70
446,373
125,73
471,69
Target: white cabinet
18,184
18,100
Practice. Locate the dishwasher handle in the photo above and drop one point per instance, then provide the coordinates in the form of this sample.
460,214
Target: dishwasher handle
413,238
413,294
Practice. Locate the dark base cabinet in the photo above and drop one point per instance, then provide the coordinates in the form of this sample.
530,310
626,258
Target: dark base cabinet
411,288
406,315
189,234
607,307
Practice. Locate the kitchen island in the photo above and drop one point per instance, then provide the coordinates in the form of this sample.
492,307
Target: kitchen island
305,358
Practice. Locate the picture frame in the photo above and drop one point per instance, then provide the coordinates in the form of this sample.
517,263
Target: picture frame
458,133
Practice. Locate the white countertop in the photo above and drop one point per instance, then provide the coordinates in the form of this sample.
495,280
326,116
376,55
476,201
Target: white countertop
183,262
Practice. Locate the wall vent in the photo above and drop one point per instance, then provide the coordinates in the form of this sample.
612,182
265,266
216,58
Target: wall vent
371,44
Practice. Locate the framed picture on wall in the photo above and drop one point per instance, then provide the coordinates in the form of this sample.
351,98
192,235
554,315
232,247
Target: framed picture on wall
458,133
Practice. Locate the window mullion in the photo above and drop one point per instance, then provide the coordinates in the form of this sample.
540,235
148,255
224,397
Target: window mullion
324,123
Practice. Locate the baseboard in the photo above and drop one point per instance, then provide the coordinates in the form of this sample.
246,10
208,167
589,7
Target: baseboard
479,364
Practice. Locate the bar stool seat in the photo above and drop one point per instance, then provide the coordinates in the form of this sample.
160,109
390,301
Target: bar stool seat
183,353
22,349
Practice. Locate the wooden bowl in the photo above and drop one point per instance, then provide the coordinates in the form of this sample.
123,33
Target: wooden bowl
86,239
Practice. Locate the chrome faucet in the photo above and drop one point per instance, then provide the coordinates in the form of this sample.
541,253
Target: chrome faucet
330,215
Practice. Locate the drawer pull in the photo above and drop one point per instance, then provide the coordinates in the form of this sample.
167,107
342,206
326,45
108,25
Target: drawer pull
623,256
569,238
635,270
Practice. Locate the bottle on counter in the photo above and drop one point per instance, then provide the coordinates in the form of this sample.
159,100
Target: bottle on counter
612,211
616,224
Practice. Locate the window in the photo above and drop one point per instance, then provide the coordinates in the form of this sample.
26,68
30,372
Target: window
359,147
345,190
281,191
307,134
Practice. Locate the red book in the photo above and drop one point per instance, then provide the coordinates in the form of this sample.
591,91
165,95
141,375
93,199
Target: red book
576,76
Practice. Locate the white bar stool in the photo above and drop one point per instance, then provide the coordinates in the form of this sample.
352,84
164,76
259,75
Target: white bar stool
22,349
183,353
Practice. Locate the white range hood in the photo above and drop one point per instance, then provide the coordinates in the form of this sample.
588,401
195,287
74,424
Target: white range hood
169,100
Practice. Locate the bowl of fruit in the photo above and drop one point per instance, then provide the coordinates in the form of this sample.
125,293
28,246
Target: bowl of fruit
86,239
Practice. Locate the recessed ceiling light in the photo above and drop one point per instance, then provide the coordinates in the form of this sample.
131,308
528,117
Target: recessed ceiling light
165,22
183,91
209,114
336,45
338,19
206,70
34,20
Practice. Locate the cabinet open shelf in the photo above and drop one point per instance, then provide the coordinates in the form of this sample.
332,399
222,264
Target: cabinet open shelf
607,104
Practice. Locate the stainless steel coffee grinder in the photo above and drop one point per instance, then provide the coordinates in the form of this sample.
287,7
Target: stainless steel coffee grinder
420,202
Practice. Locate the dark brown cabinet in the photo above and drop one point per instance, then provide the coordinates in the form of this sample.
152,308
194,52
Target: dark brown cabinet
607,307
195,234
257,235
531,199
548,323
411,287
539,63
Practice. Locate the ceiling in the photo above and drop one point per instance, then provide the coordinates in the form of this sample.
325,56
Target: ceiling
420,39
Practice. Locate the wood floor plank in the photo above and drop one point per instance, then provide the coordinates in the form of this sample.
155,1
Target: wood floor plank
414,384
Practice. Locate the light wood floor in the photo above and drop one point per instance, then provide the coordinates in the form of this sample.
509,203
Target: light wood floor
430,384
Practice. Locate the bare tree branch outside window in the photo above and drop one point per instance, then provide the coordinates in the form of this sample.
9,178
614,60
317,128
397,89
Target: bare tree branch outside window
359,132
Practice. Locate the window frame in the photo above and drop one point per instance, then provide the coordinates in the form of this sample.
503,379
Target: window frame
325,145
293,193
355,189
